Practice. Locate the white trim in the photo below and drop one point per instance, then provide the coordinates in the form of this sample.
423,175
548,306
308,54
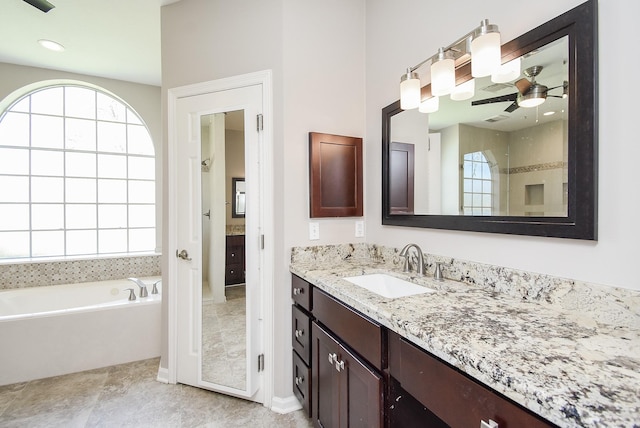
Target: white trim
263,78
163,375
285,405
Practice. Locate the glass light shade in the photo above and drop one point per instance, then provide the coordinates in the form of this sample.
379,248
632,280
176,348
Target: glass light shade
534,97
485,54
409,91
430,105
443,76
507,72
464,91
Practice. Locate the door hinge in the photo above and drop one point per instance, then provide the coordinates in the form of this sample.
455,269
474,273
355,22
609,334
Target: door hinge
262,242
261,362
259,123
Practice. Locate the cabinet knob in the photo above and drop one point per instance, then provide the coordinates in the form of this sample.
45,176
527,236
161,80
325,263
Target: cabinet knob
490,424
299,380
297,291
299,333
332,358
339,365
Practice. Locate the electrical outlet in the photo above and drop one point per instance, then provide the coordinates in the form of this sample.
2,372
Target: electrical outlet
314,231
359,229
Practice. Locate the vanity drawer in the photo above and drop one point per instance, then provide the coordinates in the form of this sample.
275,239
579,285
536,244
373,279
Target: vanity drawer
301,333
363,335
451,395
302,382
301,292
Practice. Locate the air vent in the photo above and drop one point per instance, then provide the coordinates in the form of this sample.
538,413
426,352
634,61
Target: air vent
497,118
496,87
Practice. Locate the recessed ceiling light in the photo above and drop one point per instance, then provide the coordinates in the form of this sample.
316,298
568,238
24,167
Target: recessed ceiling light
51,45
548,113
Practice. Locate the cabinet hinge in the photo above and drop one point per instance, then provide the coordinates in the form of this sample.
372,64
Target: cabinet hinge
259,123
262,242
261,362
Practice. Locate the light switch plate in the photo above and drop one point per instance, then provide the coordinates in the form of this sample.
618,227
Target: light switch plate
359,229
314,231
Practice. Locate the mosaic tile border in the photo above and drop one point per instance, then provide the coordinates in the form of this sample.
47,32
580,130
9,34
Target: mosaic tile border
42,273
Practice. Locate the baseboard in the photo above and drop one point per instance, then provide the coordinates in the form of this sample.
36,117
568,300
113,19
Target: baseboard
163,375
285,405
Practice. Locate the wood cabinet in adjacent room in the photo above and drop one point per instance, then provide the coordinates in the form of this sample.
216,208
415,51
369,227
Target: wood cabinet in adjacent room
234,260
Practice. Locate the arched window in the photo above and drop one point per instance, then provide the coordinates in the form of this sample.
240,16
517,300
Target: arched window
477,185
77,175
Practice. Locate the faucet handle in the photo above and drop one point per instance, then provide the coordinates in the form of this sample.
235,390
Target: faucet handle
132,295
438,273
154,290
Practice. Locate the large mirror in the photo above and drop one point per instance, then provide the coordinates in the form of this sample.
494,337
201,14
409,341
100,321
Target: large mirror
489,163
224,326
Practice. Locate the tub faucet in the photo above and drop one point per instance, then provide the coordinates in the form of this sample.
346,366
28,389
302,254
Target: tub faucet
154,290
405,253
142,285
132,295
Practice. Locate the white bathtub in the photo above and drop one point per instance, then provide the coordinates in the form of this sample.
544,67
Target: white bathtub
60,329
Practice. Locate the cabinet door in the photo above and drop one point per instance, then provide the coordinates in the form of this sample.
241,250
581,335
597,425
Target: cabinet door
346,392
325,381
362,394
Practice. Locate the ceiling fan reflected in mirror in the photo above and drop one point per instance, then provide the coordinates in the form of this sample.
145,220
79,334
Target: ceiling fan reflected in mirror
530,93
43,5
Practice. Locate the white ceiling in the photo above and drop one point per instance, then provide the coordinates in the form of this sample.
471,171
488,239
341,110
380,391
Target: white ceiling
117,39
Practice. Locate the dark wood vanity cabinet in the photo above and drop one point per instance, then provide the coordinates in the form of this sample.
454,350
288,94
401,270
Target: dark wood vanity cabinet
234,260
346,391
451,397
301,341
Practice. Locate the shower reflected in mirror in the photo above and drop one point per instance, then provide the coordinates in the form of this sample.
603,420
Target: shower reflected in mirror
223,353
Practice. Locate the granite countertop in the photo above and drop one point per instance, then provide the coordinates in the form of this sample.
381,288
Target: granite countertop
563,364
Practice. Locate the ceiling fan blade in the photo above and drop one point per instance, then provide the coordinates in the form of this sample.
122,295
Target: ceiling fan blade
500,99
523,85
43,5
514,106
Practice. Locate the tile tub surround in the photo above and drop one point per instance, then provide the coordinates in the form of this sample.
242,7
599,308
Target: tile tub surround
568,351
42,273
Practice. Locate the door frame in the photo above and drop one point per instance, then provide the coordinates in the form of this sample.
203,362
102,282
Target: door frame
266,257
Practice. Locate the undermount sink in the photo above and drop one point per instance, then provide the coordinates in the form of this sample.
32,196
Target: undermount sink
387,285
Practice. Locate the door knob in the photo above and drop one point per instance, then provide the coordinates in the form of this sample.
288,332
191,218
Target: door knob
183,255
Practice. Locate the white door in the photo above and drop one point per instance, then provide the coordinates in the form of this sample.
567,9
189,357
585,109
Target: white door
188,211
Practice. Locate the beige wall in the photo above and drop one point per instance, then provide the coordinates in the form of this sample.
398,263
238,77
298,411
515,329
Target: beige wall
397,39
337,63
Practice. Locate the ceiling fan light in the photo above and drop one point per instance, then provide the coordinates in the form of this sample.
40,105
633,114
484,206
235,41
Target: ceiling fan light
430,105
443,74
485,50
409,90
507,72
464,91
536,96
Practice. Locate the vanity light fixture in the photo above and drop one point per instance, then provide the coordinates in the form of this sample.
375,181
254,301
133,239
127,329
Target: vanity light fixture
51,45
430,105
480,46
409,90
507,72
464,91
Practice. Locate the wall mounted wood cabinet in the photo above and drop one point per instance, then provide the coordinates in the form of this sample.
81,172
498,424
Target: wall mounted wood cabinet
335,174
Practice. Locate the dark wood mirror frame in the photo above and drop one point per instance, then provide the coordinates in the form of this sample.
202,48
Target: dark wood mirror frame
581,26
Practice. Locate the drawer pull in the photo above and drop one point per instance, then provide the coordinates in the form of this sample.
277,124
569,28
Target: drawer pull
490,424
299,380
299,333
297,291
332,358
339,365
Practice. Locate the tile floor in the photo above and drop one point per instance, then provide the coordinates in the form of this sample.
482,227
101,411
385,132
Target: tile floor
128,395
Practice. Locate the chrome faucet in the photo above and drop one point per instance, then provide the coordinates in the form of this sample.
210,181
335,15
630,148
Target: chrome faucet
405,253
142,285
